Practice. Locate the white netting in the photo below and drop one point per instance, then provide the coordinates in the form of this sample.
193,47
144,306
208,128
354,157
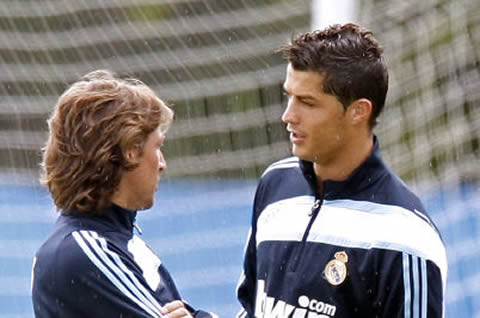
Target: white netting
430,130
212,59
215,61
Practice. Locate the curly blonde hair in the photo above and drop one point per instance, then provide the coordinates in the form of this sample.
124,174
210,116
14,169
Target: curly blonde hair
95,122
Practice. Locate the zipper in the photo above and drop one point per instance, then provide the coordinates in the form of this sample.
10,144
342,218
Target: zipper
314,208
139,230
313,213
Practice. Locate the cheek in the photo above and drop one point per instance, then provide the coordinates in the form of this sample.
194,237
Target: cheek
149,166
326,129
153,158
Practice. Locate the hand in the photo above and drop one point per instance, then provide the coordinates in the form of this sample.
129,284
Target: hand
175,309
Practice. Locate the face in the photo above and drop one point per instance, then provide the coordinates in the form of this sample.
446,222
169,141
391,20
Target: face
142,183
317,122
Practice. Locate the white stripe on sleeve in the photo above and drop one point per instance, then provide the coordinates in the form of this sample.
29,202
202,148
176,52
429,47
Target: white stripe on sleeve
242,313
406,283
124,268
424,288
88,244
416,287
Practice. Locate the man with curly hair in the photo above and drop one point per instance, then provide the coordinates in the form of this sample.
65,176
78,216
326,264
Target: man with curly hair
102,163
335,233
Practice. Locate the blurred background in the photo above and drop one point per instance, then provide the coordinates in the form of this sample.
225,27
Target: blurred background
214,61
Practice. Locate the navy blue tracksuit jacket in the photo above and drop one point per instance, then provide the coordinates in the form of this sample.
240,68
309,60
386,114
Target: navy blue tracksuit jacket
363,248
95,266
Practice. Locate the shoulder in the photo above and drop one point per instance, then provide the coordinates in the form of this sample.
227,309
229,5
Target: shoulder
286,172
281,180
383,226
401,194
393,191
290,163
61,266
75,246
64,255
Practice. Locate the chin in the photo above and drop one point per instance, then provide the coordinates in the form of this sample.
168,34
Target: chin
146,205
297,152
149,205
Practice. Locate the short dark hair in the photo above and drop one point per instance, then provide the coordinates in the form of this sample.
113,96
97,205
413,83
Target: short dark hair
95,122
349,58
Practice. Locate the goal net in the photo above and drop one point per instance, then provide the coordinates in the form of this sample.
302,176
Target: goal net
430,130
211,60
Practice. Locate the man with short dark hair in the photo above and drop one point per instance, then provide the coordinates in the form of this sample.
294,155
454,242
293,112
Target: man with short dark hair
101,164
335,233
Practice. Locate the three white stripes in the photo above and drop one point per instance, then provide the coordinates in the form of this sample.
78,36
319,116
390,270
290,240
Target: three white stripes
242,313
415,271
290,162
97,251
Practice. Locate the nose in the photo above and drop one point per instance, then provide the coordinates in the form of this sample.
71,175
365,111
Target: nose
162,163
162,166
289,116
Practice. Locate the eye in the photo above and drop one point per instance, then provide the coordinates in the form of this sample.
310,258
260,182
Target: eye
307,103
284,93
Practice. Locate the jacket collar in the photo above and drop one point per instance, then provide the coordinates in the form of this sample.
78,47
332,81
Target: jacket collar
361,178
115,215
121,216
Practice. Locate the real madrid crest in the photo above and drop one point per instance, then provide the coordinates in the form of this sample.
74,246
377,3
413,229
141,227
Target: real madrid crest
336,271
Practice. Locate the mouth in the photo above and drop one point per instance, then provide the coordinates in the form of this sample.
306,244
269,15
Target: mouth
296,138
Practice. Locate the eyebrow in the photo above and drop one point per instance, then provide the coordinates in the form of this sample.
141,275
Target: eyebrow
309,97
306,96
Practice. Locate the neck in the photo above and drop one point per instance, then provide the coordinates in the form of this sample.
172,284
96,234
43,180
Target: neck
120,203
342,167
120,197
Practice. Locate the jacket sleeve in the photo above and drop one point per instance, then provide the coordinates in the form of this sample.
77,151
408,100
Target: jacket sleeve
246,289
203,314
199,313
86,277
409,286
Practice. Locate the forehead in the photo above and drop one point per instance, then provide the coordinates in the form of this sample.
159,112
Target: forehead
156,135
302,82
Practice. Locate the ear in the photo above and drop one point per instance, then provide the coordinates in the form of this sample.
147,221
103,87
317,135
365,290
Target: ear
360,111
132,154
